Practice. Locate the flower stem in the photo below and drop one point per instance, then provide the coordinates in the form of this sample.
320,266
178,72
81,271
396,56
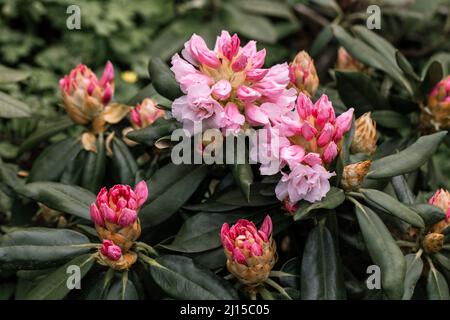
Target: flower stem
277,287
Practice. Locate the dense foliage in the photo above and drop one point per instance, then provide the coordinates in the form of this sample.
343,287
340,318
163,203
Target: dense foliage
87,178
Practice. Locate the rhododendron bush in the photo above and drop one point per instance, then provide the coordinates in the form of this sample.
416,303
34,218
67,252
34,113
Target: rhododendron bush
255,160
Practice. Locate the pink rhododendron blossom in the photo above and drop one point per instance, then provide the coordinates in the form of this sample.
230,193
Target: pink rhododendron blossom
211,79
304,182
244,241
118,205
110,250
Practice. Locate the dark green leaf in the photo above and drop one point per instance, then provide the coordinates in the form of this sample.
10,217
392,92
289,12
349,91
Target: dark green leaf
8,75
170,187
243,175
45,133
414,267
51,163
160,128
181,278
65,198
40,247
94,168
437,287
391,119
408,159
384,251
124,163
319,276
392,206
163,79
333,199
54,286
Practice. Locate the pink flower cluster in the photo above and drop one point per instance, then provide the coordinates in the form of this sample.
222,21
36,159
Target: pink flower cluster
441,92
119,205
228,87
110,250
243,240
307,141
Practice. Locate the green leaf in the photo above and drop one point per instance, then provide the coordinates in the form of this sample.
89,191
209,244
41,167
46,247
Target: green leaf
234,197
169,189
383,250
414,267
333,199
65,198
8,75
372,51
434,73
201,232
408,159
163,79
40,247
45,133
124,164
437,287
54,286
181,278
243,175
320,42
160,128
405,66
266,7
94,168
320,278
13,108
392,206
249,25
357,90
402,190
50,164
391,119
429,213
122,289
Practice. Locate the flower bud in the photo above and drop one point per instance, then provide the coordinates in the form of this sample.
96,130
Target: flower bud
435,115
365,138
84,96
441,199
111,255
345,62
115,214
251,253
354,175
145,113
433,242
303,75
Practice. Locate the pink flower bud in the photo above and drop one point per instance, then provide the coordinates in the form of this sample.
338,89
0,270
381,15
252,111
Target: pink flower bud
441,199
221,90
343,124
255,116
330,152
110,250
304,106
84,96
240,63
308,131
96,216
196,48
247,94
145,113
119,205
243,241
326,135
256,74
303,75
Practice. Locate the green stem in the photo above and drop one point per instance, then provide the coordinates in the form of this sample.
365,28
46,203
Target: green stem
265,294
277,287
148,248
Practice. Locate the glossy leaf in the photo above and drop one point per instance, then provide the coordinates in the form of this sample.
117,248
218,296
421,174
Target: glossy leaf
414,267
333,199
